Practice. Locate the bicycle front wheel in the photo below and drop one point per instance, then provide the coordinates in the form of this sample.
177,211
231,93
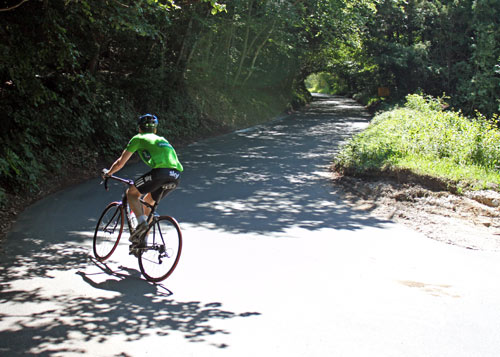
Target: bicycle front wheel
161,254
108,231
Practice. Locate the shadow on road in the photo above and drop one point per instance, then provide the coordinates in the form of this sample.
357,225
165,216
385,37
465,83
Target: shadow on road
262,180
274,176
129,306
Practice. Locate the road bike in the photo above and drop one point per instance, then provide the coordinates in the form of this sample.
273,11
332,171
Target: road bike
160,251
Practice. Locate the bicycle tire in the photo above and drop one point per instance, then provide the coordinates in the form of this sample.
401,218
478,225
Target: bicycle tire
162,251
108,231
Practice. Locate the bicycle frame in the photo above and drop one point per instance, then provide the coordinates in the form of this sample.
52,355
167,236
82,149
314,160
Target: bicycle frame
112,220
152,217
158,249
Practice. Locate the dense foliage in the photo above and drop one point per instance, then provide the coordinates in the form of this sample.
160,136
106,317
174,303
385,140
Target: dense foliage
75,73
426,139
435,47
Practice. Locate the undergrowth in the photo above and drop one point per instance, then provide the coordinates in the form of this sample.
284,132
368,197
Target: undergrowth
426,139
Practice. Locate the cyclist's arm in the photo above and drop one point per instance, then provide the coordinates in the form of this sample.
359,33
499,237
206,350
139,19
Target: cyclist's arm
120,162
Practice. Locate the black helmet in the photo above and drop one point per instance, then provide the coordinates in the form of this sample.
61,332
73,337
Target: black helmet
147,122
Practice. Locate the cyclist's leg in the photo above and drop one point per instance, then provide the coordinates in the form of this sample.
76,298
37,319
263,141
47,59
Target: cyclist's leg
143,186
164,177
149,199
133,196
150,185
156,187
156,179
160,177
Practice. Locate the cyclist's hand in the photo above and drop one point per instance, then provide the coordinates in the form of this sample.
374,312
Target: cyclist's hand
105,173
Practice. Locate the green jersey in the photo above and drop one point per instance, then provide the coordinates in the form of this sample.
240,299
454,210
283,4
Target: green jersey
155,151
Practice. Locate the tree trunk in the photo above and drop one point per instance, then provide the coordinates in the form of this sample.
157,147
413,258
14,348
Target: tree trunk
252,66
245,44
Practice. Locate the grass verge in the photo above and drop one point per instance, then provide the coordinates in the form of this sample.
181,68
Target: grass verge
424,139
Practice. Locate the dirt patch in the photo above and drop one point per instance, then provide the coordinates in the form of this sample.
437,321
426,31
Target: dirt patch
469,220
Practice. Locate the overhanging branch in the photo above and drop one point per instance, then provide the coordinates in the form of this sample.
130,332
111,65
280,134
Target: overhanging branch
13,7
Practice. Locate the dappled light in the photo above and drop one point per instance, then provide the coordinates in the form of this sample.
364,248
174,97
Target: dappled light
269,181
265,179
128,304
275,258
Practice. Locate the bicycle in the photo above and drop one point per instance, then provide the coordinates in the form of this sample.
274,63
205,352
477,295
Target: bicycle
162,242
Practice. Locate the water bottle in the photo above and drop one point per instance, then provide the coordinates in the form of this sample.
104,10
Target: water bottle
133,219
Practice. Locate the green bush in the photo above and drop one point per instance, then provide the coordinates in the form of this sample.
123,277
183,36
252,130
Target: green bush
426,139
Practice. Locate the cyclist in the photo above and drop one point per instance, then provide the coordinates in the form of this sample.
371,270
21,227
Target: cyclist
158,154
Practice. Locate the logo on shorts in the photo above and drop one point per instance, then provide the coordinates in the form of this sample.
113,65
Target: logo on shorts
141,181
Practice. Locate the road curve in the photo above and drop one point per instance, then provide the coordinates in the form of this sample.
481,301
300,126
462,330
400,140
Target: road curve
274,264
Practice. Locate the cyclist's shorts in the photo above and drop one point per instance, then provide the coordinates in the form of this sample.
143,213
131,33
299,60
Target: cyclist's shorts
154,180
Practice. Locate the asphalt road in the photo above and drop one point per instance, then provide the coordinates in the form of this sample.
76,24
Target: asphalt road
274,264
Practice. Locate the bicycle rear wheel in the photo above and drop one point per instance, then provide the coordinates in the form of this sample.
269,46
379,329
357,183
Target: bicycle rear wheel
163,249
108,231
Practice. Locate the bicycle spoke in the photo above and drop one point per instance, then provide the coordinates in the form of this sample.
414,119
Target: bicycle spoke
163,247
108,231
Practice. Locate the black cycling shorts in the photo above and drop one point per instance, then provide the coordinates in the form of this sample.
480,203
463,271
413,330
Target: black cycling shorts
154,180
